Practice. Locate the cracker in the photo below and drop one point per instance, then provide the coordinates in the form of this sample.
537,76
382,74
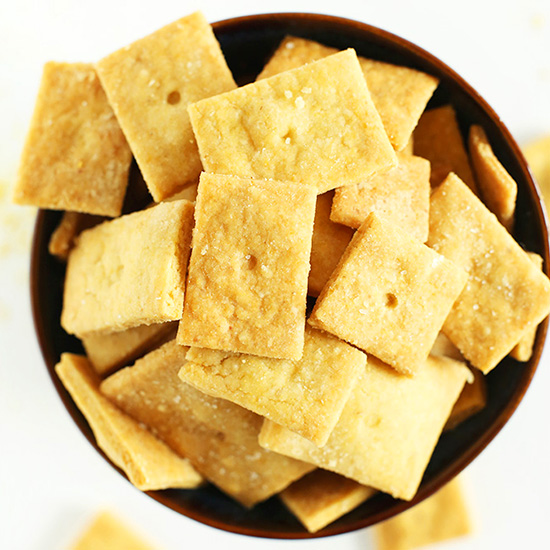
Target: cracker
442,516
247,284
389,295
497,188
524,349
150,83
400,94
506,294
147,461
109,351
75,156
129,271
472,399
327,245
188,193
438,139
321,497
315,125
307,396
537,154
401,195
444,347
219,438
107,532
63,239
388,428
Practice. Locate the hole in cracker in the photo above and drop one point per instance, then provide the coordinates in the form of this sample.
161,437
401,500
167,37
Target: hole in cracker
391,300
173,97
251,261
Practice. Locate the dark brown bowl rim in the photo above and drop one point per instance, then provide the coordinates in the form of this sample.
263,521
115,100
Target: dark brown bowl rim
467,457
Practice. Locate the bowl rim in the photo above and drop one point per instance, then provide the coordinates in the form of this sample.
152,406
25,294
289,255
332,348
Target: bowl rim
226,26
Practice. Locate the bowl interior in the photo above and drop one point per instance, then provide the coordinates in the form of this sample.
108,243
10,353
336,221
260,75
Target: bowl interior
248,43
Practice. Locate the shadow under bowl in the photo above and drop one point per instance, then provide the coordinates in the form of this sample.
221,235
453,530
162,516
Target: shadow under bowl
247,43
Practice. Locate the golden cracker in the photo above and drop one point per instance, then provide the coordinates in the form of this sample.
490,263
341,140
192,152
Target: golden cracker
75,155
150,83
315,125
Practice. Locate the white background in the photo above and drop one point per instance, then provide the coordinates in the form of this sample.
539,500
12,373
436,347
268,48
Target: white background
51,480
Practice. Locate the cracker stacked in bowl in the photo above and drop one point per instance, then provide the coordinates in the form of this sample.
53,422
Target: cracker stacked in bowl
326,177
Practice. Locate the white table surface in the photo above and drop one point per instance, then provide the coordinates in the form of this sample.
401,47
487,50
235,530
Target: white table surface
51,480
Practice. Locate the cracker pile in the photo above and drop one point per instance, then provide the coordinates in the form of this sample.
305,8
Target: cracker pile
309,181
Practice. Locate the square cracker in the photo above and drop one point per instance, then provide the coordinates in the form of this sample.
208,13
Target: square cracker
506,294
219,438
307,395
438,139
402,195
75,156
150,83
496,187
147,461
388,428
328,243
321,497
247,283
524,348
389,295
107,532
129,271
315,125
109,350
440,517
400,94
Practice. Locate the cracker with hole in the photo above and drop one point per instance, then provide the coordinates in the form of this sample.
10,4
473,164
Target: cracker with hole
247,283
497,188
108,351
328,243
388,429
506,294
438,139
147,461
75,155
400,94
321,497
305,395
129,271
524,348
389,295
150,83
314,125
441,517
401,195
219,438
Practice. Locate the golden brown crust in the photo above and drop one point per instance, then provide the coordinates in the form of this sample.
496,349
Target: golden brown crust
150,83
75,155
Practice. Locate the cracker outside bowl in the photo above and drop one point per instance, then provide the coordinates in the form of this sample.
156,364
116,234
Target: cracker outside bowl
248,43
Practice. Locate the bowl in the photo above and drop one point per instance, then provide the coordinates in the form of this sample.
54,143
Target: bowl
247,43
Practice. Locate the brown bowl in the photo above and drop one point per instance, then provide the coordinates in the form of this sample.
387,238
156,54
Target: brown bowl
248,43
